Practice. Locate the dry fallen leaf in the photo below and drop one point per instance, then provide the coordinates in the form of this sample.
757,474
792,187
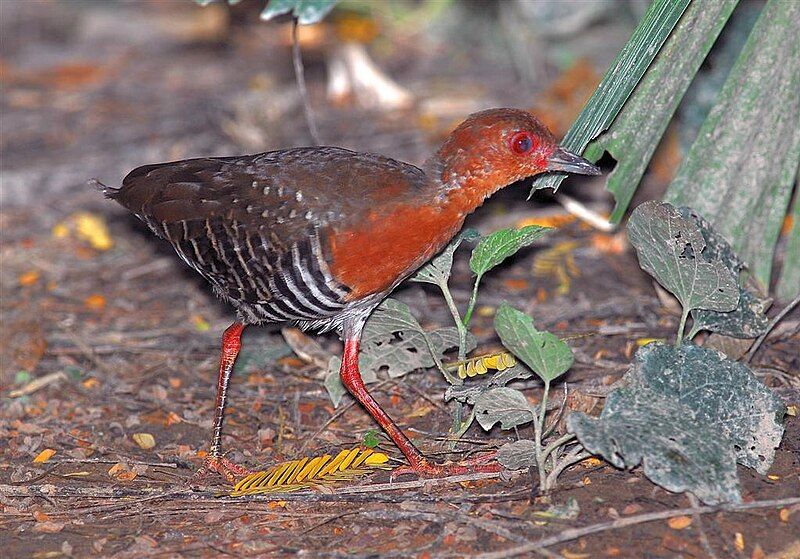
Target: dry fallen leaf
95,302
680,522
144,440
28,278
44,455
738,541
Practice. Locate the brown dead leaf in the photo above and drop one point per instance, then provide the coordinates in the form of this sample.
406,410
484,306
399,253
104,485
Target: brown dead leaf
48,527
679,522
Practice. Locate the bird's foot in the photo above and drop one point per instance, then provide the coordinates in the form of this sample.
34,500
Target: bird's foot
425,469
222,466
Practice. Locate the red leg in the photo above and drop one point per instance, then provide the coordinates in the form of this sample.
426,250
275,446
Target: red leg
351,378
418,464
231,343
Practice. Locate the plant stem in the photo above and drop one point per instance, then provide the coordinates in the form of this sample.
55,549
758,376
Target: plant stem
299,74
557,443
460,326
681,327
538,427
472,300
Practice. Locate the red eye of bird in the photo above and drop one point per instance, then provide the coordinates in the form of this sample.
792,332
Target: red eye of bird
522,143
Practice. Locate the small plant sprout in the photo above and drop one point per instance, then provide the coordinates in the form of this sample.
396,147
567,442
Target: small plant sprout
549,358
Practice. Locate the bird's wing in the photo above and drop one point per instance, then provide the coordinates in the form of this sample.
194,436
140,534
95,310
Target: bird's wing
234,219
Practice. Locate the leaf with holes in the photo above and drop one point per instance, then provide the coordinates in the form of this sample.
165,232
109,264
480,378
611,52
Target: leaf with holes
437,271
544,353
493,249
504,405
748,319
671,249
306,11
688,414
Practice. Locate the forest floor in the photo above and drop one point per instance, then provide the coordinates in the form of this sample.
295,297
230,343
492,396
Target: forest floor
126,337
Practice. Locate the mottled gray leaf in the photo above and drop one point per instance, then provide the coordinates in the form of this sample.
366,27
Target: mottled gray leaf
517,455
688,415
717,392
748,319
544,353
504,405
394,340
639,427
306,11
437,271
670,248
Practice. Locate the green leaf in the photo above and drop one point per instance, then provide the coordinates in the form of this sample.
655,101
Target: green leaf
747,320
495,248
504,405
544,353
620,80
22,377
637,130
741,168
306,11
517,455
688,414
371,439
670,248
437,271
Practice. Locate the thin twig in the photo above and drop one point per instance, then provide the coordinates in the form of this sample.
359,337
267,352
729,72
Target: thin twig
571,205
698,521
299,73
575,533
772,325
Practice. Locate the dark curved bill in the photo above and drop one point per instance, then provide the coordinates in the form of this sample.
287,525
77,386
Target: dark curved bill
568,162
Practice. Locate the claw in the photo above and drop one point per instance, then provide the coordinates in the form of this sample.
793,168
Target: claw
222,466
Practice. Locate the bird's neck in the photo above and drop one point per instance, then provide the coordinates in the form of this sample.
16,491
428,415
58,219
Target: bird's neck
459,186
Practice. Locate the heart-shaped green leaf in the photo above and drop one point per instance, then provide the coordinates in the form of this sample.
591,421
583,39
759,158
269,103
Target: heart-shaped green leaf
493,249
544,353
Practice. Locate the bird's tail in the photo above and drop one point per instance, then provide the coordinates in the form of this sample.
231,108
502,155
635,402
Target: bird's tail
108,191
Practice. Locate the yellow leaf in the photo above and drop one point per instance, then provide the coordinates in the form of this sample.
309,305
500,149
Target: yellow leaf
679,522
60,231
641,342
791,411
307,472
44,455
93,228
144,440
200,323
738,541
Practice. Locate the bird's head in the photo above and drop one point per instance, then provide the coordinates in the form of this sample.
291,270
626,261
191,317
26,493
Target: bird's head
496,147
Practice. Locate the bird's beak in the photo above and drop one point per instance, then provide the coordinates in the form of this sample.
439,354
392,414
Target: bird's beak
568,162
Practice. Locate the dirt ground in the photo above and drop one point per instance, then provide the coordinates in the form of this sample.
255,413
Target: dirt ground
127,337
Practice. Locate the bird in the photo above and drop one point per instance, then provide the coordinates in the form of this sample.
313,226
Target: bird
319,236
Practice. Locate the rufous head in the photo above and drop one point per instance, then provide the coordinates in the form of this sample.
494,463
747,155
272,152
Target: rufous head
496,147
